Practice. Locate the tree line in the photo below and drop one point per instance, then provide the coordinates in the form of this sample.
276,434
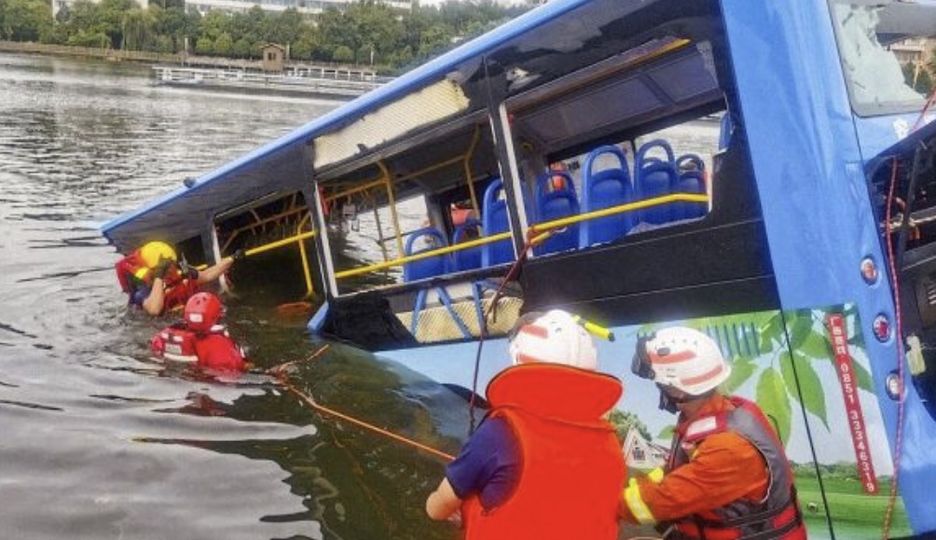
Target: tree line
366,32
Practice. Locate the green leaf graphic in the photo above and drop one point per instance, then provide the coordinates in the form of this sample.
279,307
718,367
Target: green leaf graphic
772,398
741,371
769,332
812,395
815,345
864,378
800,328
666,433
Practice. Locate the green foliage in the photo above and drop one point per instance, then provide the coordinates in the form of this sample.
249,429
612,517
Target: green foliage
920,79
624,421
771,395
741,370
364,32
666,433
799,367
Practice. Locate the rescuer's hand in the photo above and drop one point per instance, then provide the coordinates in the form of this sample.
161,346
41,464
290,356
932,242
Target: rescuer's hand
162,268
239,255
188,271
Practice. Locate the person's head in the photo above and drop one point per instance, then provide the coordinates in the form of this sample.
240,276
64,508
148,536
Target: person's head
202,311
552,337
154,252
685,364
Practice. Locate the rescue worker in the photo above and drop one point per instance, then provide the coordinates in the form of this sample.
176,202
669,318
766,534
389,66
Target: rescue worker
544,463
201,338
155,280
727,476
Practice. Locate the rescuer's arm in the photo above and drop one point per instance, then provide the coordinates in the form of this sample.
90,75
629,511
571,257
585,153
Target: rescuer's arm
212,273
724,468
443,503
156,300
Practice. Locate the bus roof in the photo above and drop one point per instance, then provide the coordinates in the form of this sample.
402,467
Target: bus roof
181,213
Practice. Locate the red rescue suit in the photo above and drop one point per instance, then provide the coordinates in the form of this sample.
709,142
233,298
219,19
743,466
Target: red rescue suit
572,466
214,350
132,273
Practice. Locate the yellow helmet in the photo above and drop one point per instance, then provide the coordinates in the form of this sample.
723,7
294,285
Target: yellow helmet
152,252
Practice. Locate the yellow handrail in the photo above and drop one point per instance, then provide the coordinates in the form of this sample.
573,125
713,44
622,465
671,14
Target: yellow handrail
539,227
391,202
619,209
423,255
279,243
468,176
306,273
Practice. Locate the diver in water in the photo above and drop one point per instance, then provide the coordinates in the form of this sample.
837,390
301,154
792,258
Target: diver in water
157,281
545,463
200,338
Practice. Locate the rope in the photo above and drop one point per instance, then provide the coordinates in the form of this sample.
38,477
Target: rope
898,443
532,240
279,372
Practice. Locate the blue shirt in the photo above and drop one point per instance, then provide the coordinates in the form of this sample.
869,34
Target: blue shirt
139,295
488,465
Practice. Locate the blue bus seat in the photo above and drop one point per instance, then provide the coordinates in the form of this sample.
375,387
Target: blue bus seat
603,189
469,258
655,177
425,268
555,204
495,220
691,180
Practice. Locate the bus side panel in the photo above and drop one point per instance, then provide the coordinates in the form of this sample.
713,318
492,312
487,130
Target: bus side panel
814,196
803,393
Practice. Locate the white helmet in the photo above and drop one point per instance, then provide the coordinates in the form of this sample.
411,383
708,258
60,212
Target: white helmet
554,337
682,358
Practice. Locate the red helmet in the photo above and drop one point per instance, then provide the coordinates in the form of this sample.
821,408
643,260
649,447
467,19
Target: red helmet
202,311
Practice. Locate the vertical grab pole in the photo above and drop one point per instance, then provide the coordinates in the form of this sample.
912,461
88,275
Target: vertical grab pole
392,202
468,175
310,289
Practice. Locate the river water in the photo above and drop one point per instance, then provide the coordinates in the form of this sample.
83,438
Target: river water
101,442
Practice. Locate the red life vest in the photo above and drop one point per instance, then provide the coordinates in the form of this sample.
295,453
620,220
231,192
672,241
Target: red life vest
131,271
777,515
214,350
572,466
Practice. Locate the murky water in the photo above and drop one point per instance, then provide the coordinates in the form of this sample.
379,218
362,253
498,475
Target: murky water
99,441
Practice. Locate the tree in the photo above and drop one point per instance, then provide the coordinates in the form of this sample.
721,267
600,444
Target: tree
223,45
624,421
343,54
25,20
243,48
204,45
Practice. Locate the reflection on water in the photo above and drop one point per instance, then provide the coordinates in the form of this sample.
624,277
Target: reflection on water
101,442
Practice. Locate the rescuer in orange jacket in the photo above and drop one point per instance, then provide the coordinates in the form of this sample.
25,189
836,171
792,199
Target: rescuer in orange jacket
727,476
154,279
544,464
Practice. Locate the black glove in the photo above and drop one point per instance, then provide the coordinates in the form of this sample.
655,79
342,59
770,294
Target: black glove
162,268
239,255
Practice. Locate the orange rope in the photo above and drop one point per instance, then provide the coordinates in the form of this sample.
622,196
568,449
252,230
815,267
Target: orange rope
281,377
308,400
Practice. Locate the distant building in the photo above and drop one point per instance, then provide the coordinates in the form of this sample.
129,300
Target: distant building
57,5
274,57
302,6
913,51
641,453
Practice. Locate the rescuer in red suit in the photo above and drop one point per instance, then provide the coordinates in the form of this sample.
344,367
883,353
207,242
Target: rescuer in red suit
200,339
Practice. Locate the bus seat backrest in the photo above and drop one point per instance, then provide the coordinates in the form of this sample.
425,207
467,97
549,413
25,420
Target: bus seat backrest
691,180
495,220
469,258
425,268
603,189
554,204
655,177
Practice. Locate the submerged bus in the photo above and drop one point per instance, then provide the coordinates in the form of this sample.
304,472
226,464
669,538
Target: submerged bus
761,171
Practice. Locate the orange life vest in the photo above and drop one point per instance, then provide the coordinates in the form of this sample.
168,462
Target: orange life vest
572,467
777,516
131,271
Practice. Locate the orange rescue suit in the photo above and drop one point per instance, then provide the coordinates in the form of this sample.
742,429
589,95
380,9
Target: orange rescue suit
572,469
722,468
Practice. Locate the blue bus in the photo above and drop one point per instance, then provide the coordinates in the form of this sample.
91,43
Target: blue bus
761,171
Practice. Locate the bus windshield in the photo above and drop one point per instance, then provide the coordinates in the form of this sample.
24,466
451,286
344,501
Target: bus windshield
886,49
